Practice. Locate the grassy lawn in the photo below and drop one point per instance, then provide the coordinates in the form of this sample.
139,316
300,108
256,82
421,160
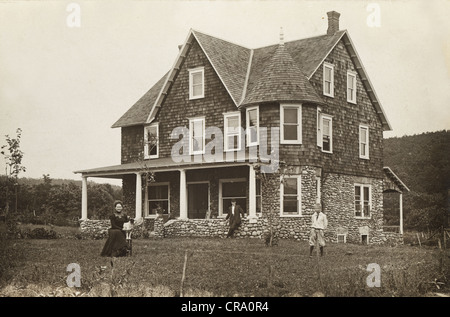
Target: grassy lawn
218,267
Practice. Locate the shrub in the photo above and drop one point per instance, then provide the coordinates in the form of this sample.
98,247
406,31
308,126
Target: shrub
42,233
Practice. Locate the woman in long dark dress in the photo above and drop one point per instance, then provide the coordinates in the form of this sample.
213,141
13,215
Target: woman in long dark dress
116,244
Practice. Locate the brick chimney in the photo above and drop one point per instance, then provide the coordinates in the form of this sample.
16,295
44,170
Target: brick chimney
333,22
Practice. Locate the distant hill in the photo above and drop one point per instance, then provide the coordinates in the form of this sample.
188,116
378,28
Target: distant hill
421,161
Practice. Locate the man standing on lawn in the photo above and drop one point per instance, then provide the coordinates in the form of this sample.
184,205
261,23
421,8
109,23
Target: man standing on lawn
234,214
319,223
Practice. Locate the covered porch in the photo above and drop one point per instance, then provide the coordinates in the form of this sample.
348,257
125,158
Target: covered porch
181,190
393,184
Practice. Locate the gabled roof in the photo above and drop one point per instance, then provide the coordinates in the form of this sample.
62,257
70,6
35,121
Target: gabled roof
245,72
281,80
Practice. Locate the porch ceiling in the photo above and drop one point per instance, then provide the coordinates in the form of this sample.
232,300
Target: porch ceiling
395,179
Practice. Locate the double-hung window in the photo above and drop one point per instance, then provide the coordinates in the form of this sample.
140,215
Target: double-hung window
252,126
232,138
364,141
158,198
290,124
290,196
324,132
197,136
351,86
151,142
362,201
196,83
328,79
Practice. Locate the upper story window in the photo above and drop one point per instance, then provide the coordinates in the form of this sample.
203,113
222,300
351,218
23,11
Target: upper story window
364,141
197,135
290,196
324,131
196,83
351,86
290,124
362,200
252,118
151,141
328,79
232,138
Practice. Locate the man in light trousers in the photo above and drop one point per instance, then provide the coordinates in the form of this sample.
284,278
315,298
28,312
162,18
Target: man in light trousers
319,223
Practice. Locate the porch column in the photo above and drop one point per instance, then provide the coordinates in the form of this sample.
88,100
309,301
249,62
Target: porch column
252,194
84,205
401,213
183,195
138,196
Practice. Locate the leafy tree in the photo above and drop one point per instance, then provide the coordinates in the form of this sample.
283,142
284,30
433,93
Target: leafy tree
13,157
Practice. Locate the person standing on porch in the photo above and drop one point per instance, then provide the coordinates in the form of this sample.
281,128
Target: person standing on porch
319,223
234,215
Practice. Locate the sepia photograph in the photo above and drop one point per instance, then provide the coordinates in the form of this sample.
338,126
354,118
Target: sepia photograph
224,156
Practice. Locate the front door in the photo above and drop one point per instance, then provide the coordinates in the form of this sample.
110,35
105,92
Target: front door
198,200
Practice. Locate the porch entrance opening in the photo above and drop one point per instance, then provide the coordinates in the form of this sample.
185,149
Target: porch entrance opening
198,200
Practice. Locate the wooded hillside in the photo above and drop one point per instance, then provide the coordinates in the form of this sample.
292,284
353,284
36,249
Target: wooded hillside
422,162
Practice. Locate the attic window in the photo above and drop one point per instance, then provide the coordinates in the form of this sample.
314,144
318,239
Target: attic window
351,87
196,83
328,79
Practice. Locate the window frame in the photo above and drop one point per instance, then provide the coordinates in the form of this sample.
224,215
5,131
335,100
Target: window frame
299,196
330,119
367,140
192,72
147,151
362,200
247,125
351,98
155,184
298,107
331,67
221,213
191,136
226,132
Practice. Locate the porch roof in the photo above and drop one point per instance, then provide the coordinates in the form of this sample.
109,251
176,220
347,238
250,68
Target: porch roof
167,164
395,179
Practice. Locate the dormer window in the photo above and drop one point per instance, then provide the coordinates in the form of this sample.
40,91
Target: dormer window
328,79
151,141
351,86
196,83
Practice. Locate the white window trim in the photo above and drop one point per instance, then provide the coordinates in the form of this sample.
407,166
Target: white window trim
146,149
351,98
191,131
319,127
299,123
299,197
362,200
225,128
341,234
227,180
247,118
366,127
147,198
330,66
330,118
191,87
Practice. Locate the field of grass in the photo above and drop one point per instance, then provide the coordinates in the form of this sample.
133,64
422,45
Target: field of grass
218,267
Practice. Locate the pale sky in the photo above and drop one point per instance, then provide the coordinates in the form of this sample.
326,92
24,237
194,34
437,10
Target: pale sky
65,86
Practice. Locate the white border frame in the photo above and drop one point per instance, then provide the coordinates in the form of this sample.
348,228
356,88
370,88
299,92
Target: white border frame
330,118
362,200
147,198
191,131
352,98
225,131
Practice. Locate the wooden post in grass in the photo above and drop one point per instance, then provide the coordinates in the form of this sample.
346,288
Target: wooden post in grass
420,244
183,277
